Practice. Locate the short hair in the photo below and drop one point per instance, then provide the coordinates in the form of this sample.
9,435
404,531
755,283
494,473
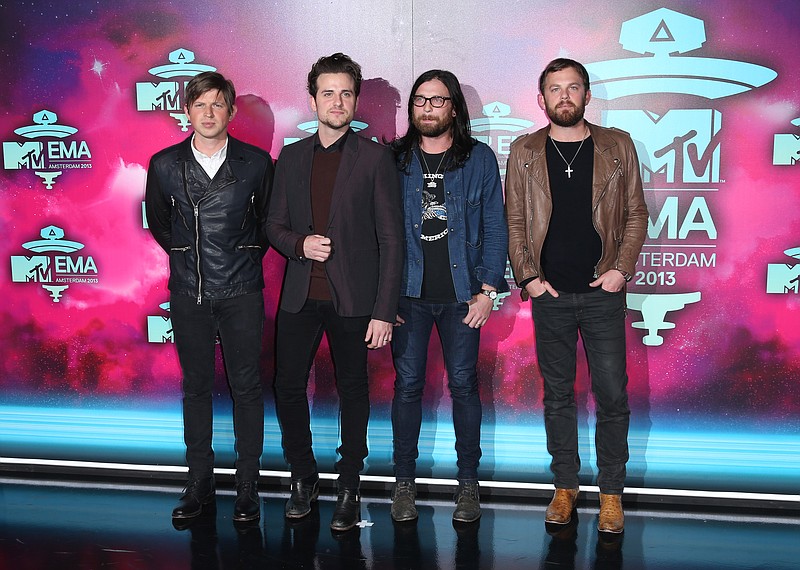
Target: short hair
336,63
563,63
210,81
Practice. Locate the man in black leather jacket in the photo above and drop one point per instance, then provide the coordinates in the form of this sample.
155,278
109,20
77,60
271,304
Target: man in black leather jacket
206,202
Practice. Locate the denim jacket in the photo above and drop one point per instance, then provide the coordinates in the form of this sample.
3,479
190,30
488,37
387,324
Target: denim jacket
477,230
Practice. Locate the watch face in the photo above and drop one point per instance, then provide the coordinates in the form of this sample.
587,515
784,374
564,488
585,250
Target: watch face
491,294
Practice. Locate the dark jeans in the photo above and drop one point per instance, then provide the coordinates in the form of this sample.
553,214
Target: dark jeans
298,337
239,322
410,351
600,318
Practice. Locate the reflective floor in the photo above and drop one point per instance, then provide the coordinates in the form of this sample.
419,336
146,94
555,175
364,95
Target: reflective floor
64,526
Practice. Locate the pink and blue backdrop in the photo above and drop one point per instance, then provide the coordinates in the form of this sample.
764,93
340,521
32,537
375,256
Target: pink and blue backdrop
710,92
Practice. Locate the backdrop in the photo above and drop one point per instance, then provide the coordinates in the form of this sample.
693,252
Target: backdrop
710,92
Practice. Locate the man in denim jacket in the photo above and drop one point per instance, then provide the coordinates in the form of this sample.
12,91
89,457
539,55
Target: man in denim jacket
456,239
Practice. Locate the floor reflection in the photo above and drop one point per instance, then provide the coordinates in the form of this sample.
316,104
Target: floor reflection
90,526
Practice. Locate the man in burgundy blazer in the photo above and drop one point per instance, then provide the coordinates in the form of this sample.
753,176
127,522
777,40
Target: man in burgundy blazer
335,213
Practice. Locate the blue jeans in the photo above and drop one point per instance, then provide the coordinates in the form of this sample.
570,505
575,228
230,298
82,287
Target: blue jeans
298,336
239,322
410,352
600,318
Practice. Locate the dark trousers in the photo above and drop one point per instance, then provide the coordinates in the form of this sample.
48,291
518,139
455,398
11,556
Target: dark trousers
410,352
600,318
298,337
239,322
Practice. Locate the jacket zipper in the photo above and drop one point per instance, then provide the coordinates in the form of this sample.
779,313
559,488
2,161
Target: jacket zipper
195,208
250,207
197,249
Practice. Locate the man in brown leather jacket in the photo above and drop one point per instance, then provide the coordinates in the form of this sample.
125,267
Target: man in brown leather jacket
577,220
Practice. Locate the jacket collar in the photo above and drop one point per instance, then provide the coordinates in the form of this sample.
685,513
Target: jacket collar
235,150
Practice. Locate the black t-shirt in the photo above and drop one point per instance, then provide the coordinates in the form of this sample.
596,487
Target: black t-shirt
572,247
437,281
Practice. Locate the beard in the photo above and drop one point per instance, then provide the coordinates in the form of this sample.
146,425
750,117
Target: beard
336,121
568,115
441,126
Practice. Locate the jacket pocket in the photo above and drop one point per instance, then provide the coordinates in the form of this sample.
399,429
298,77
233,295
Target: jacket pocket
472,224
180,259
252,250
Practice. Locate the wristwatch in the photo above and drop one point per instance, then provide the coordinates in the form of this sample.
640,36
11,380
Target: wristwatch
491,294
625,274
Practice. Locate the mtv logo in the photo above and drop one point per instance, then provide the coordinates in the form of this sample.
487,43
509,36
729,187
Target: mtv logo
681,145
159,329
163,96
783,278
33,269
19,155
654,308
786,150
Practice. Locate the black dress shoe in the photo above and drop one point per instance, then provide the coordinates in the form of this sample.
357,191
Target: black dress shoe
304,491
197,494
348,510
248,505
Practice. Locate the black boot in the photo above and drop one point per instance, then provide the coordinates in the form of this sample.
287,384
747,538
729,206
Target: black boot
348,510
304,491
196,494
248,505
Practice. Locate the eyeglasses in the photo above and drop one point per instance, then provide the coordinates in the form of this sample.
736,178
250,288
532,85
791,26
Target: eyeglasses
435,101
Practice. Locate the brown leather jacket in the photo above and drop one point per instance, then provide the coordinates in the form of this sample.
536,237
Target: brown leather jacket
619,211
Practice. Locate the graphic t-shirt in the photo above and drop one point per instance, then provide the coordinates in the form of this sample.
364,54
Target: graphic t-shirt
437,281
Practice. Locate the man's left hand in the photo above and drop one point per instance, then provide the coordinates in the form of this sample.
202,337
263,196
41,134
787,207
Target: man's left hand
379,333
479,310
611,281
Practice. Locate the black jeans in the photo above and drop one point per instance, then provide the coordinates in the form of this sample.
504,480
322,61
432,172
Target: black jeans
600,318
298,337
240,323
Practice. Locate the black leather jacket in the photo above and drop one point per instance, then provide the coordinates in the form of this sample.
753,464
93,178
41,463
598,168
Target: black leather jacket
217,240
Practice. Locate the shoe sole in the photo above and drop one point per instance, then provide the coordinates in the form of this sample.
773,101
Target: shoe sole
203,506
344,528
247,519
405,519
609,531
463,520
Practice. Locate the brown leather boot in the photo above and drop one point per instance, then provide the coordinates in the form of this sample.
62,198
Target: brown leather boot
611,517
559,511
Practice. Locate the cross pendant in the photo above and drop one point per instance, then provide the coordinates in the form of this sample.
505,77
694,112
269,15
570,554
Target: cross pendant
569,171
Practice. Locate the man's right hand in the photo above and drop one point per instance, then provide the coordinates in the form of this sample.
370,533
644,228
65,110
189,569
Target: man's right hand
317,247
537,288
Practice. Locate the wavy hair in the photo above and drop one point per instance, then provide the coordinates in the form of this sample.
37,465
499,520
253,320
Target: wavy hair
336,63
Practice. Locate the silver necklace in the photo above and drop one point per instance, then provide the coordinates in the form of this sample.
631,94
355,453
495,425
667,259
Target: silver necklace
569,170
432,183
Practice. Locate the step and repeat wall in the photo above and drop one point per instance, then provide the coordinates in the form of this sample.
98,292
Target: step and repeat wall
709,91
